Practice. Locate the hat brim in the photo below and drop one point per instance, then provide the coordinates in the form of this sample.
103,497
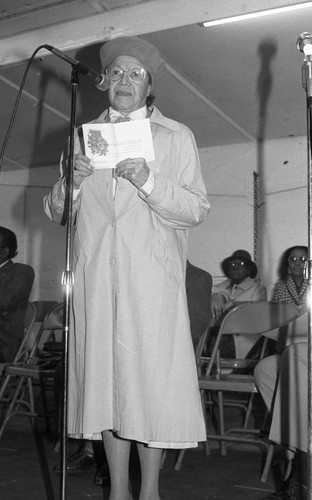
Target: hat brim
251,265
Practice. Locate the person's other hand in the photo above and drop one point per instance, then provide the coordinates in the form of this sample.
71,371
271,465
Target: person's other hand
82,169
217,305
134,170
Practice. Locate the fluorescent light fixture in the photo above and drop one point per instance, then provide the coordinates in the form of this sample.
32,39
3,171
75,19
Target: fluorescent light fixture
254,15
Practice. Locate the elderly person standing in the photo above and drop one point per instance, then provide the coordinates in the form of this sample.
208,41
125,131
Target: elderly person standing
131,337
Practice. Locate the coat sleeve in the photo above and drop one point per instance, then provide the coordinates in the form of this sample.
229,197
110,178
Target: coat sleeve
181,203
54,201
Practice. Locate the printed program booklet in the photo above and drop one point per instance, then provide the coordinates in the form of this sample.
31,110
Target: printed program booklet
108,143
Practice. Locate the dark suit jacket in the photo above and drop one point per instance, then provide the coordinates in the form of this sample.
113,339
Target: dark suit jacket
15,286
198,290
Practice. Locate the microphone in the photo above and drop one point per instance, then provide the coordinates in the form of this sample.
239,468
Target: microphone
304,43
101,81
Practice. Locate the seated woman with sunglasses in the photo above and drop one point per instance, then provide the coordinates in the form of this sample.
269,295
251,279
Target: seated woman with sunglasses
290,288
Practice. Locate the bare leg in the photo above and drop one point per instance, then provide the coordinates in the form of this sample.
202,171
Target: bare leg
117,453
150,464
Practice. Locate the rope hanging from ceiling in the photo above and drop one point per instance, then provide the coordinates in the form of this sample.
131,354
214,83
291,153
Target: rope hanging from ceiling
256,217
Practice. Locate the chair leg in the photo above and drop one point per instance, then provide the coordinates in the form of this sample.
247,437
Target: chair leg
268,462
10,410
223,450
288,468
207,448
42,395
23,387
31,399
4,386
248,411
163,458
178,463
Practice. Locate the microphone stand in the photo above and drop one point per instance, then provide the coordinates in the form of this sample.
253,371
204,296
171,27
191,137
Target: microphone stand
102,83
68,277
307,84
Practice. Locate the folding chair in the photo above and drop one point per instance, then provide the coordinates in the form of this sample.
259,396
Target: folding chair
219,376
28,370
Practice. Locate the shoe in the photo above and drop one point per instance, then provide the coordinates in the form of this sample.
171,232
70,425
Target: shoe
102,477
291,490
79,461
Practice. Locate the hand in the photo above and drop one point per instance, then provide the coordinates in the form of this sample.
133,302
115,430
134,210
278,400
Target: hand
217,305
82,169
134,170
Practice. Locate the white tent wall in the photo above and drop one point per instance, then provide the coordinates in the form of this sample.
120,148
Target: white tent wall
228,173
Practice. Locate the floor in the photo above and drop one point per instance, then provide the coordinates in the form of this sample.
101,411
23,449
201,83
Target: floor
27,460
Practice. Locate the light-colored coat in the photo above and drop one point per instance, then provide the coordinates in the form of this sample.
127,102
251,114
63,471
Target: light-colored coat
132,366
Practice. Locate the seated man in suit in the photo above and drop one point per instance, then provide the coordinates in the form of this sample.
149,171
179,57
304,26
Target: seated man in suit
15,286
198,284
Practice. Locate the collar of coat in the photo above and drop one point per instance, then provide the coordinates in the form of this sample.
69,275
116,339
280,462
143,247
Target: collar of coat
291,286
244,285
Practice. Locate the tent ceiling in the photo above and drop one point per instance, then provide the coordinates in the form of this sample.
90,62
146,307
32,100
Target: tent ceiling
238,82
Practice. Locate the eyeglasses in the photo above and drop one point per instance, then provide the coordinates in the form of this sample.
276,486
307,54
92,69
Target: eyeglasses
236,263
136,74
297,259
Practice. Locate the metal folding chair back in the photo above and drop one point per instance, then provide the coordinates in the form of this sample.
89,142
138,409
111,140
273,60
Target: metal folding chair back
252,319
221,376
218,376
52,322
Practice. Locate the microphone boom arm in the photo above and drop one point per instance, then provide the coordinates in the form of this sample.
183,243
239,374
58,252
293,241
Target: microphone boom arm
101,81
